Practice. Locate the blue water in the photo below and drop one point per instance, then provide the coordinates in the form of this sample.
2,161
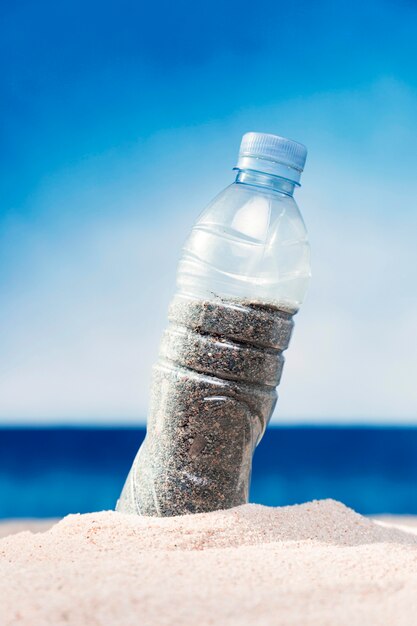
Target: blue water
50,472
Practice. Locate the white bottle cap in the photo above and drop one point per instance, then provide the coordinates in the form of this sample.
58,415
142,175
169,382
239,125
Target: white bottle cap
272,154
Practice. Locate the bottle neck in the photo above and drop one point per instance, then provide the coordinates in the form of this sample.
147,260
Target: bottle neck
267,181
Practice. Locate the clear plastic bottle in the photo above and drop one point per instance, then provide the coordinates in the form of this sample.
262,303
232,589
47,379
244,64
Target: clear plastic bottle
242,276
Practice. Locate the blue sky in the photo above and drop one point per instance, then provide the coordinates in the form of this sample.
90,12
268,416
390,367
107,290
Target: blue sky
119,123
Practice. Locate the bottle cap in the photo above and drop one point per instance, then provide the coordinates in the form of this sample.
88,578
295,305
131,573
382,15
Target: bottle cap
272,154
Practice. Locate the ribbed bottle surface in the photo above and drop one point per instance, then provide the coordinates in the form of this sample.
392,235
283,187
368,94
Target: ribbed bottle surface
213,393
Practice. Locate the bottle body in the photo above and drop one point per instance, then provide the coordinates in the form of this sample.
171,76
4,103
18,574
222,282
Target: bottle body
241,278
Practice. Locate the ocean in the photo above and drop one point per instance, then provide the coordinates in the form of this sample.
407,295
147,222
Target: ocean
49,472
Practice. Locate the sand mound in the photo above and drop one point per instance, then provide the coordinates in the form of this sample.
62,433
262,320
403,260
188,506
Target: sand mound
325,521
316,563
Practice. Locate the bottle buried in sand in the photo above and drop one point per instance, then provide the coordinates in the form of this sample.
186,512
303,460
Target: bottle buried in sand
242,277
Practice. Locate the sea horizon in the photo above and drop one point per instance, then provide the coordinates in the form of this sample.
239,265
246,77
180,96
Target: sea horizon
53,470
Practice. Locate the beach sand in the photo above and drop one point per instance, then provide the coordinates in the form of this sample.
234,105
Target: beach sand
314,564
11,527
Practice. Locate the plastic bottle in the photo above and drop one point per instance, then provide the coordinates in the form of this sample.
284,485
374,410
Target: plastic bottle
242,276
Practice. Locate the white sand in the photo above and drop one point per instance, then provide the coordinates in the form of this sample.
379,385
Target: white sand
317,563
11,527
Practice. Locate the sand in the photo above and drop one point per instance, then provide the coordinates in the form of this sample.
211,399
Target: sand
11,527
316,563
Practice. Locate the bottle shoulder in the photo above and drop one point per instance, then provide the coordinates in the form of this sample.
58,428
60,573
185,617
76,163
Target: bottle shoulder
254,212
249,243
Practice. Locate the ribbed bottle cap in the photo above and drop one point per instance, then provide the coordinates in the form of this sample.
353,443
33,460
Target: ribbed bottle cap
272,154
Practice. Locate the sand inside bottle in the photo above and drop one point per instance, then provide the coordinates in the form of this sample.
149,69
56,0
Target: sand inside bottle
213,393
